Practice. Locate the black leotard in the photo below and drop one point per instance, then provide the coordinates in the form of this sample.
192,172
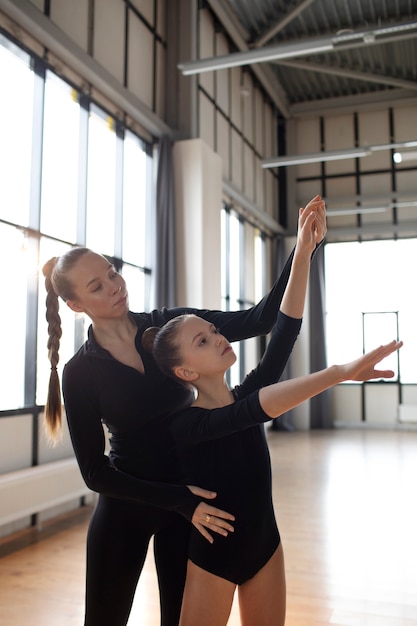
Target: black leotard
132,506
225,449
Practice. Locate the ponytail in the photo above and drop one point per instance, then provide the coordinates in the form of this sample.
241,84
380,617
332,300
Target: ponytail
53,407
57,285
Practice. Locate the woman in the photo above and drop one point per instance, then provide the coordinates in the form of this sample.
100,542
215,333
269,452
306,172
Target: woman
223,444
111,380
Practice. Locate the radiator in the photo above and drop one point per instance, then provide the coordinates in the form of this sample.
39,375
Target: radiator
35,489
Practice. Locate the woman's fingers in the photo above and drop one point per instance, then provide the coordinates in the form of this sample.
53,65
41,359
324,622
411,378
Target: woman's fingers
202,493
208,518
213,524
217,524
214,518
203,531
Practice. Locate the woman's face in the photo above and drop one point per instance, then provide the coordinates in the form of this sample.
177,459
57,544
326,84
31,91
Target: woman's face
203,349
99,290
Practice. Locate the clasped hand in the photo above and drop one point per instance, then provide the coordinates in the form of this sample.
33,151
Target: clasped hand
312,226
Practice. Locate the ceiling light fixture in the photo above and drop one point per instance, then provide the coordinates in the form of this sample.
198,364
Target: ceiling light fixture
399,157
398,145
377,208
359,210
337,155
403,205
297,49
316,157
244,88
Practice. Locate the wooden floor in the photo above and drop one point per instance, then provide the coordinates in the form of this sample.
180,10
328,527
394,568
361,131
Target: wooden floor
346,504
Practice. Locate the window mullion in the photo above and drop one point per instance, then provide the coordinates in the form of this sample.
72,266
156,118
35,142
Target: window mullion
118,217
82,170
33,242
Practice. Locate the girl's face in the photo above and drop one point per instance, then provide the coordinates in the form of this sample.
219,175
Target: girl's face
100,291
204,351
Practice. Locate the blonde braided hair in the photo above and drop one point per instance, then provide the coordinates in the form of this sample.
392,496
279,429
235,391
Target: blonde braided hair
57,285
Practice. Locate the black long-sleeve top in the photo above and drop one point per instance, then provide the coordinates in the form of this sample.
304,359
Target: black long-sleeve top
137,407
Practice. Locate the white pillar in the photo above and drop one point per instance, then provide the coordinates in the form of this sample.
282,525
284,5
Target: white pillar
198,198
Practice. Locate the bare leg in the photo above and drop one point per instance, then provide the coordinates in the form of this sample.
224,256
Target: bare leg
207,599
262,599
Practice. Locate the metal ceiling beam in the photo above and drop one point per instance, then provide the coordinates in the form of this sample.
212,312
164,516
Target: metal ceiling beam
281,24
348,104
264,74
346,73
309,47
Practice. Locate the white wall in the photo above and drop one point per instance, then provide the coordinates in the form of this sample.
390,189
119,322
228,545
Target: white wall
371,179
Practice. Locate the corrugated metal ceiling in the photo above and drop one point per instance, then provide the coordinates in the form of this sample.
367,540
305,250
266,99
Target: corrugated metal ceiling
361,71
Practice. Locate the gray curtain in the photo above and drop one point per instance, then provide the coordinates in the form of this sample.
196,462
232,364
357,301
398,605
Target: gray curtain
320,406
165,270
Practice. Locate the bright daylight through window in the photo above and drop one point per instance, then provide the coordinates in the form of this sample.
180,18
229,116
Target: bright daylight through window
369,289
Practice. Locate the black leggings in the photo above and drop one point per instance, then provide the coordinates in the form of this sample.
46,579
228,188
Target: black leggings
117,543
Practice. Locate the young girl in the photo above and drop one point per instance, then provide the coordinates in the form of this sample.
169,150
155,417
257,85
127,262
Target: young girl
247,450
223,444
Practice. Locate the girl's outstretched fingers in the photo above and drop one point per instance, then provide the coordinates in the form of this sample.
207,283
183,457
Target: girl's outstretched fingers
364,368
367,364
386,350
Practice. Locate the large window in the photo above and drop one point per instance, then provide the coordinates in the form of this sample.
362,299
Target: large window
71,174
15,266
18,83
243,281
370,297
60,159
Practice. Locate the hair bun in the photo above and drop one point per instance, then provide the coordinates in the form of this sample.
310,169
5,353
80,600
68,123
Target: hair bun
148,337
